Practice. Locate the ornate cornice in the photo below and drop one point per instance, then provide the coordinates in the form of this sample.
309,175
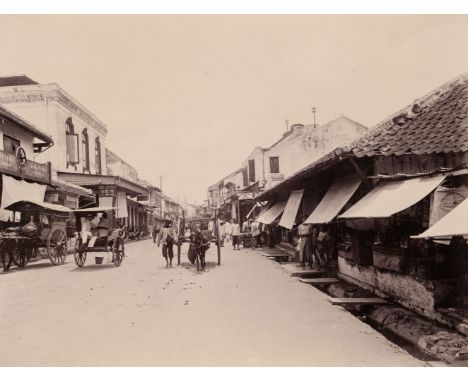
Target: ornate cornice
51,93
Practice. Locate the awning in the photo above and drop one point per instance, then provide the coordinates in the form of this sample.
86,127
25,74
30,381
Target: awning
389,198
252,210
269,216
453,224
334,200
15,190
263,209
25,205
290,211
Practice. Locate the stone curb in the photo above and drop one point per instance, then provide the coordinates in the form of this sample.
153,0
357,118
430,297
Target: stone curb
440,342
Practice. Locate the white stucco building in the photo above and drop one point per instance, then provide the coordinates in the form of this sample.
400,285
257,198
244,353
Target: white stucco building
79,136
298,147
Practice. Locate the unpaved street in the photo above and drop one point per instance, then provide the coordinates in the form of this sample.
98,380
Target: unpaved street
246,312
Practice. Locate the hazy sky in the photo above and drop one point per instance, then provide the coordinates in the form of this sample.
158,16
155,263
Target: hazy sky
189,97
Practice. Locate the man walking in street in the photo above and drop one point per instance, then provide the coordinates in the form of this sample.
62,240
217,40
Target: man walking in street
235,232
167,237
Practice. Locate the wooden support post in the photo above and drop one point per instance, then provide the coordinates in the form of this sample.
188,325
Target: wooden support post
178,251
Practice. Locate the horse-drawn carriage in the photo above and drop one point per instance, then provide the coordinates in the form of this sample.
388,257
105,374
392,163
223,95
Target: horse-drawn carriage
43,228
104,240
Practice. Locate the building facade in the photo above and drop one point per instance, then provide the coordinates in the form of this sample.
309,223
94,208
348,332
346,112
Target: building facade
23,173
301,145
79,136
379,195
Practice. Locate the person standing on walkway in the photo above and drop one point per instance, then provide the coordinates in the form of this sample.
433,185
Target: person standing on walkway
235,233
255,227
167,238
304,231
323,239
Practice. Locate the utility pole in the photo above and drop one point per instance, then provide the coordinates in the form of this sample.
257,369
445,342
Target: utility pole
218,239
160,182
287,125
314,110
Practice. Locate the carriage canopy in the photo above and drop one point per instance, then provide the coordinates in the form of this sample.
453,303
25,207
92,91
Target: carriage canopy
27,206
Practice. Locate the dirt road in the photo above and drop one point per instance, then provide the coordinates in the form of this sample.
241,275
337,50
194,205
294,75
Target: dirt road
247,311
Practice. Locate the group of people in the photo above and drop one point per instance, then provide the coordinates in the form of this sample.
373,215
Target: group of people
314,245
313,241
167,236
235,232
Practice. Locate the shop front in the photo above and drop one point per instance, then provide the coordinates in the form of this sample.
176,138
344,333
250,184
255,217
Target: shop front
111,191
419,274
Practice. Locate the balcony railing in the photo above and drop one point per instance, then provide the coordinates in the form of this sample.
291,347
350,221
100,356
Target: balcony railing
40,172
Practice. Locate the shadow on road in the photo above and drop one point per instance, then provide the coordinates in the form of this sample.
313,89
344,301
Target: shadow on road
29,267
93,267
193,267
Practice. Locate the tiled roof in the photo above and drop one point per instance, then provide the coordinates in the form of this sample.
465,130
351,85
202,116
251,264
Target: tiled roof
436,123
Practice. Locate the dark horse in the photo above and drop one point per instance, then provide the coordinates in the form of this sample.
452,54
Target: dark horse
198,248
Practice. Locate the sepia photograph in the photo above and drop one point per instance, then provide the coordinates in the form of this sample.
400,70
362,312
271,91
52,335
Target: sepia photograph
233,190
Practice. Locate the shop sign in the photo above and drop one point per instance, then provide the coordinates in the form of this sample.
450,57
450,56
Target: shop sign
106,190
18,165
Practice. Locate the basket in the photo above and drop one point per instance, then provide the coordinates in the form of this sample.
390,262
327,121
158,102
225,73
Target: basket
99,260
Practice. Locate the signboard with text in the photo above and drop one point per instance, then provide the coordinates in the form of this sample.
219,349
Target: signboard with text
106,190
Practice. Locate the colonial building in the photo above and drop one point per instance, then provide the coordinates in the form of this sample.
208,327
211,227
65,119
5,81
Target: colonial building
298,147
231,196
23,173
79,153
79,136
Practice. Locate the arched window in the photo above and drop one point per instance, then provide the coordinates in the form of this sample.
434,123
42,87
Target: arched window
70,129
97,147
71,140
85,149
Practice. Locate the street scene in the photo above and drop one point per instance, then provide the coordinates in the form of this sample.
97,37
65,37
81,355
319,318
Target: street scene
228,313
211,191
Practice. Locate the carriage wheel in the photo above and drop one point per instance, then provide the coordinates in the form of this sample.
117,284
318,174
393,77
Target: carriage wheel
118,251
6,258
57,246
80,255
20,254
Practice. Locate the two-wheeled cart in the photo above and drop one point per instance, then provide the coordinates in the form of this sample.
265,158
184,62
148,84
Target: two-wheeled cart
112,242
42,229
